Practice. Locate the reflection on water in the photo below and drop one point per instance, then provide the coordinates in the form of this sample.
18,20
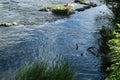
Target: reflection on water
42,35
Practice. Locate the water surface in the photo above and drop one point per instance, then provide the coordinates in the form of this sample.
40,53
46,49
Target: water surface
43,35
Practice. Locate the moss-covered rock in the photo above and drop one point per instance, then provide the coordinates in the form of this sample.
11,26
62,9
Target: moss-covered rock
69,8
7,24
62,10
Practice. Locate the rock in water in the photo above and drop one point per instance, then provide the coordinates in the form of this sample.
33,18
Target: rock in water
80,9
94,51
7,24
78,1
93,4
62,10
87,7
46,9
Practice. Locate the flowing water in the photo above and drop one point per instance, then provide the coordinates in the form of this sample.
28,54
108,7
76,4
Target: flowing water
43,35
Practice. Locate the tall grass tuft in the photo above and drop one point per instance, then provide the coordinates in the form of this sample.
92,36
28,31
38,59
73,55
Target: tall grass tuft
61,70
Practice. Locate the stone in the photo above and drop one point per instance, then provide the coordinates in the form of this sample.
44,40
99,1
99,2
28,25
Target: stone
7,24
93,51
62,10
46,9
93,4
87,7
76,1
80,9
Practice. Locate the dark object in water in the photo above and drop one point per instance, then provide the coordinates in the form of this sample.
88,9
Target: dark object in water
76,1
80,9
77,47
87,7
45,9
93,4
81,54
94,51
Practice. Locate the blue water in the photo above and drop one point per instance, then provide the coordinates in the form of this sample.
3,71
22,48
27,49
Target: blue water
43,35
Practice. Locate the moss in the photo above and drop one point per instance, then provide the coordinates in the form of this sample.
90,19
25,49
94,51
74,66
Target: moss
7,24
62,10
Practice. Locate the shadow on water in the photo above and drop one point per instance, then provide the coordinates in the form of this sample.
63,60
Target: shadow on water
70,37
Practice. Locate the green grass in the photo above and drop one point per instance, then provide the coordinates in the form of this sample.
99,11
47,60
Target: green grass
42,70
113,41
114,55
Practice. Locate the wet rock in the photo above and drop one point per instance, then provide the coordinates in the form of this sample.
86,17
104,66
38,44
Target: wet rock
83,2
80,9
63,10
79,1
87,7
76,1
7,24
46,9
69,8
93,51
93,4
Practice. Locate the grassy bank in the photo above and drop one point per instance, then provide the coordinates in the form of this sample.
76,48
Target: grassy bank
42,70
112,41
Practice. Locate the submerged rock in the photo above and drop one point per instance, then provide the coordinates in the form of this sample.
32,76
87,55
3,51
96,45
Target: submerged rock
7,24
93,51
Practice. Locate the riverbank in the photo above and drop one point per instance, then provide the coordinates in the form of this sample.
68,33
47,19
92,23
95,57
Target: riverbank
112,50
111,42
114,54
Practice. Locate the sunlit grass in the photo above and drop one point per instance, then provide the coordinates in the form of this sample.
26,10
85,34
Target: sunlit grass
114,52
62,70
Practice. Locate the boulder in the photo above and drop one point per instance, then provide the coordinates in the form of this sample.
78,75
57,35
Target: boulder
62,10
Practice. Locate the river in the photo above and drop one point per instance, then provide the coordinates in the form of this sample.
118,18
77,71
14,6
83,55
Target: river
43,35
